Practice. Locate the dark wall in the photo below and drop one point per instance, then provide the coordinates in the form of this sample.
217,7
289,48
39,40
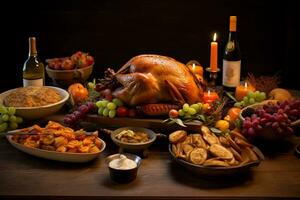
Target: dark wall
113,31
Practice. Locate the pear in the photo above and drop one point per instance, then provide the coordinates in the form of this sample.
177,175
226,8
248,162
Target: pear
280,94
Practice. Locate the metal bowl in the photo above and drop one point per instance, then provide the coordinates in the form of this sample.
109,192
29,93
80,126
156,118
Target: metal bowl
217,171
134,146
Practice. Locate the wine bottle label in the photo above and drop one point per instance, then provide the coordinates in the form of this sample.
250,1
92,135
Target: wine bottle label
36,82
231,73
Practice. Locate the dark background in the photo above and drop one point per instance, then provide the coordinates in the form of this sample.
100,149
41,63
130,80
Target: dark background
113,31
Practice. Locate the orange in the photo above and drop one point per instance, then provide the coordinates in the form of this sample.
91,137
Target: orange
78,92
234,113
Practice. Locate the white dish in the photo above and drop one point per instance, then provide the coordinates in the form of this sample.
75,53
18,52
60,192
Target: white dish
40,111
53,155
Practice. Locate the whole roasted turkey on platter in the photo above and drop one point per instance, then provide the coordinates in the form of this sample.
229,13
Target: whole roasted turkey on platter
153,83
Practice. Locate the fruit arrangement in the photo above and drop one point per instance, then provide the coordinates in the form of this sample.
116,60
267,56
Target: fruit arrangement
8,119
76,61
276,116
205,113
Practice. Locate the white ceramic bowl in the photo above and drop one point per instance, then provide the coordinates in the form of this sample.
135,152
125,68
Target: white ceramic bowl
58,156
40,111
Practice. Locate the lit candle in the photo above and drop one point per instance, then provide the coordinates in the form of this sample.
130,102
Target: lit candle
214,55
210,96
242,90
196,69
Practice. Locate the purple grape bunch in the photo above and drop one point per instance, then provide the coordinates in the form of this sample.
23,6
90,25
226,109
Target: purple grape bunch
81,111
277,116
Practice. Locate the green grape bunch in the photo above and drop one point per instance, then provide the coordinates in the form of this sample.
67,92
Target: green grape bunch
107,108
251,98
8,119
188,111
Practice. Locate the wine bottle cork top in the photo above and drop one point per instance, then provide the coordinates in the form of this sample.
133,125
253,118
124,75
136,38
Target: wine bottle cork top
32,46
232,25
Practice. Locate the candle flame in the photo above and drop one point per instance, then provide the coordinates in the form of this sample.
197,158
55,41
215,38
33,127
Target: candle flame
215,37
194,66
246,84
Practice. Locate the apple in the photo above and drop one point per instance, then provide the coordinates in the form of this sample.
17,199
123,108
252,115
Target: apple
56,65
67,64
122,111
90,60
82,62
76,56
82,59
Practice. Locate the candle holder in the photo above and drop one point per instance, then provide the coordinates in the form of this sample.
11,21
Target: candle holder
213,75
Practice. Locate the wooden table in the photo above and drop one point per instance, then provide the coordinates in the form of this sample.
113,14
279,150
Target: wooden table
27,177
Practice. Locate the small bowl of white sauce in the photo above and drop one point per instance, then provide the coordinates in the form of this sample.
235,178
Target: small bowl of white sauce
123,168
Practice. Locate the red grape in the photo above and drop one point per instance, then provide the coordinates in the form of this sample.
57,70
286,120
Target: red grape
251,131
67,120
91,105
79,113
83,109
277,116
275,125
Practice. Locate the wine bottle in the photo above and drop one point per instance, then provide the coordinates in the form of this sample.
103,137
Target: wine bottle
231,59
33,69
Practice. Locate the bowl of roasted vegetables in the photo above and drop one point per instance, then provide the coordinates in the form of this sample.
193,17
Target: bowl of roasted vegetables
56,142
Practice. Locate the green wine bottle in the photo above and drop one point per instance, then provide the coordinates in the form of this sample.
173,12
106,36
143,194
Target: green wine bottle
33,69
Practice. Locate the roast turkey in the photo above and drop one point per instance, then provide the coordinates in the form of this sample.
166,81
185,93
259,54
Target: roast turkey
150,79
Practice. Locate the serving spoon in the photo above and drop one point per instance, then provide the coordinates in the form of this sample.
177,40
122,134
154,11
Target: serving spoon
27,131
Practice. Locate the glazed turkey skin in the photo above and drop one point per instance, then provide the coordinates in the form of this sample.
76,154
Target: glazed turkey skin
147,79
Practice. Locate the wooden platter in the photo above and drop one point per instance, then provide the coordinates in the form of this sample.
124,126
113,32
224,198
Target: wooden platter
93,121
153,124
